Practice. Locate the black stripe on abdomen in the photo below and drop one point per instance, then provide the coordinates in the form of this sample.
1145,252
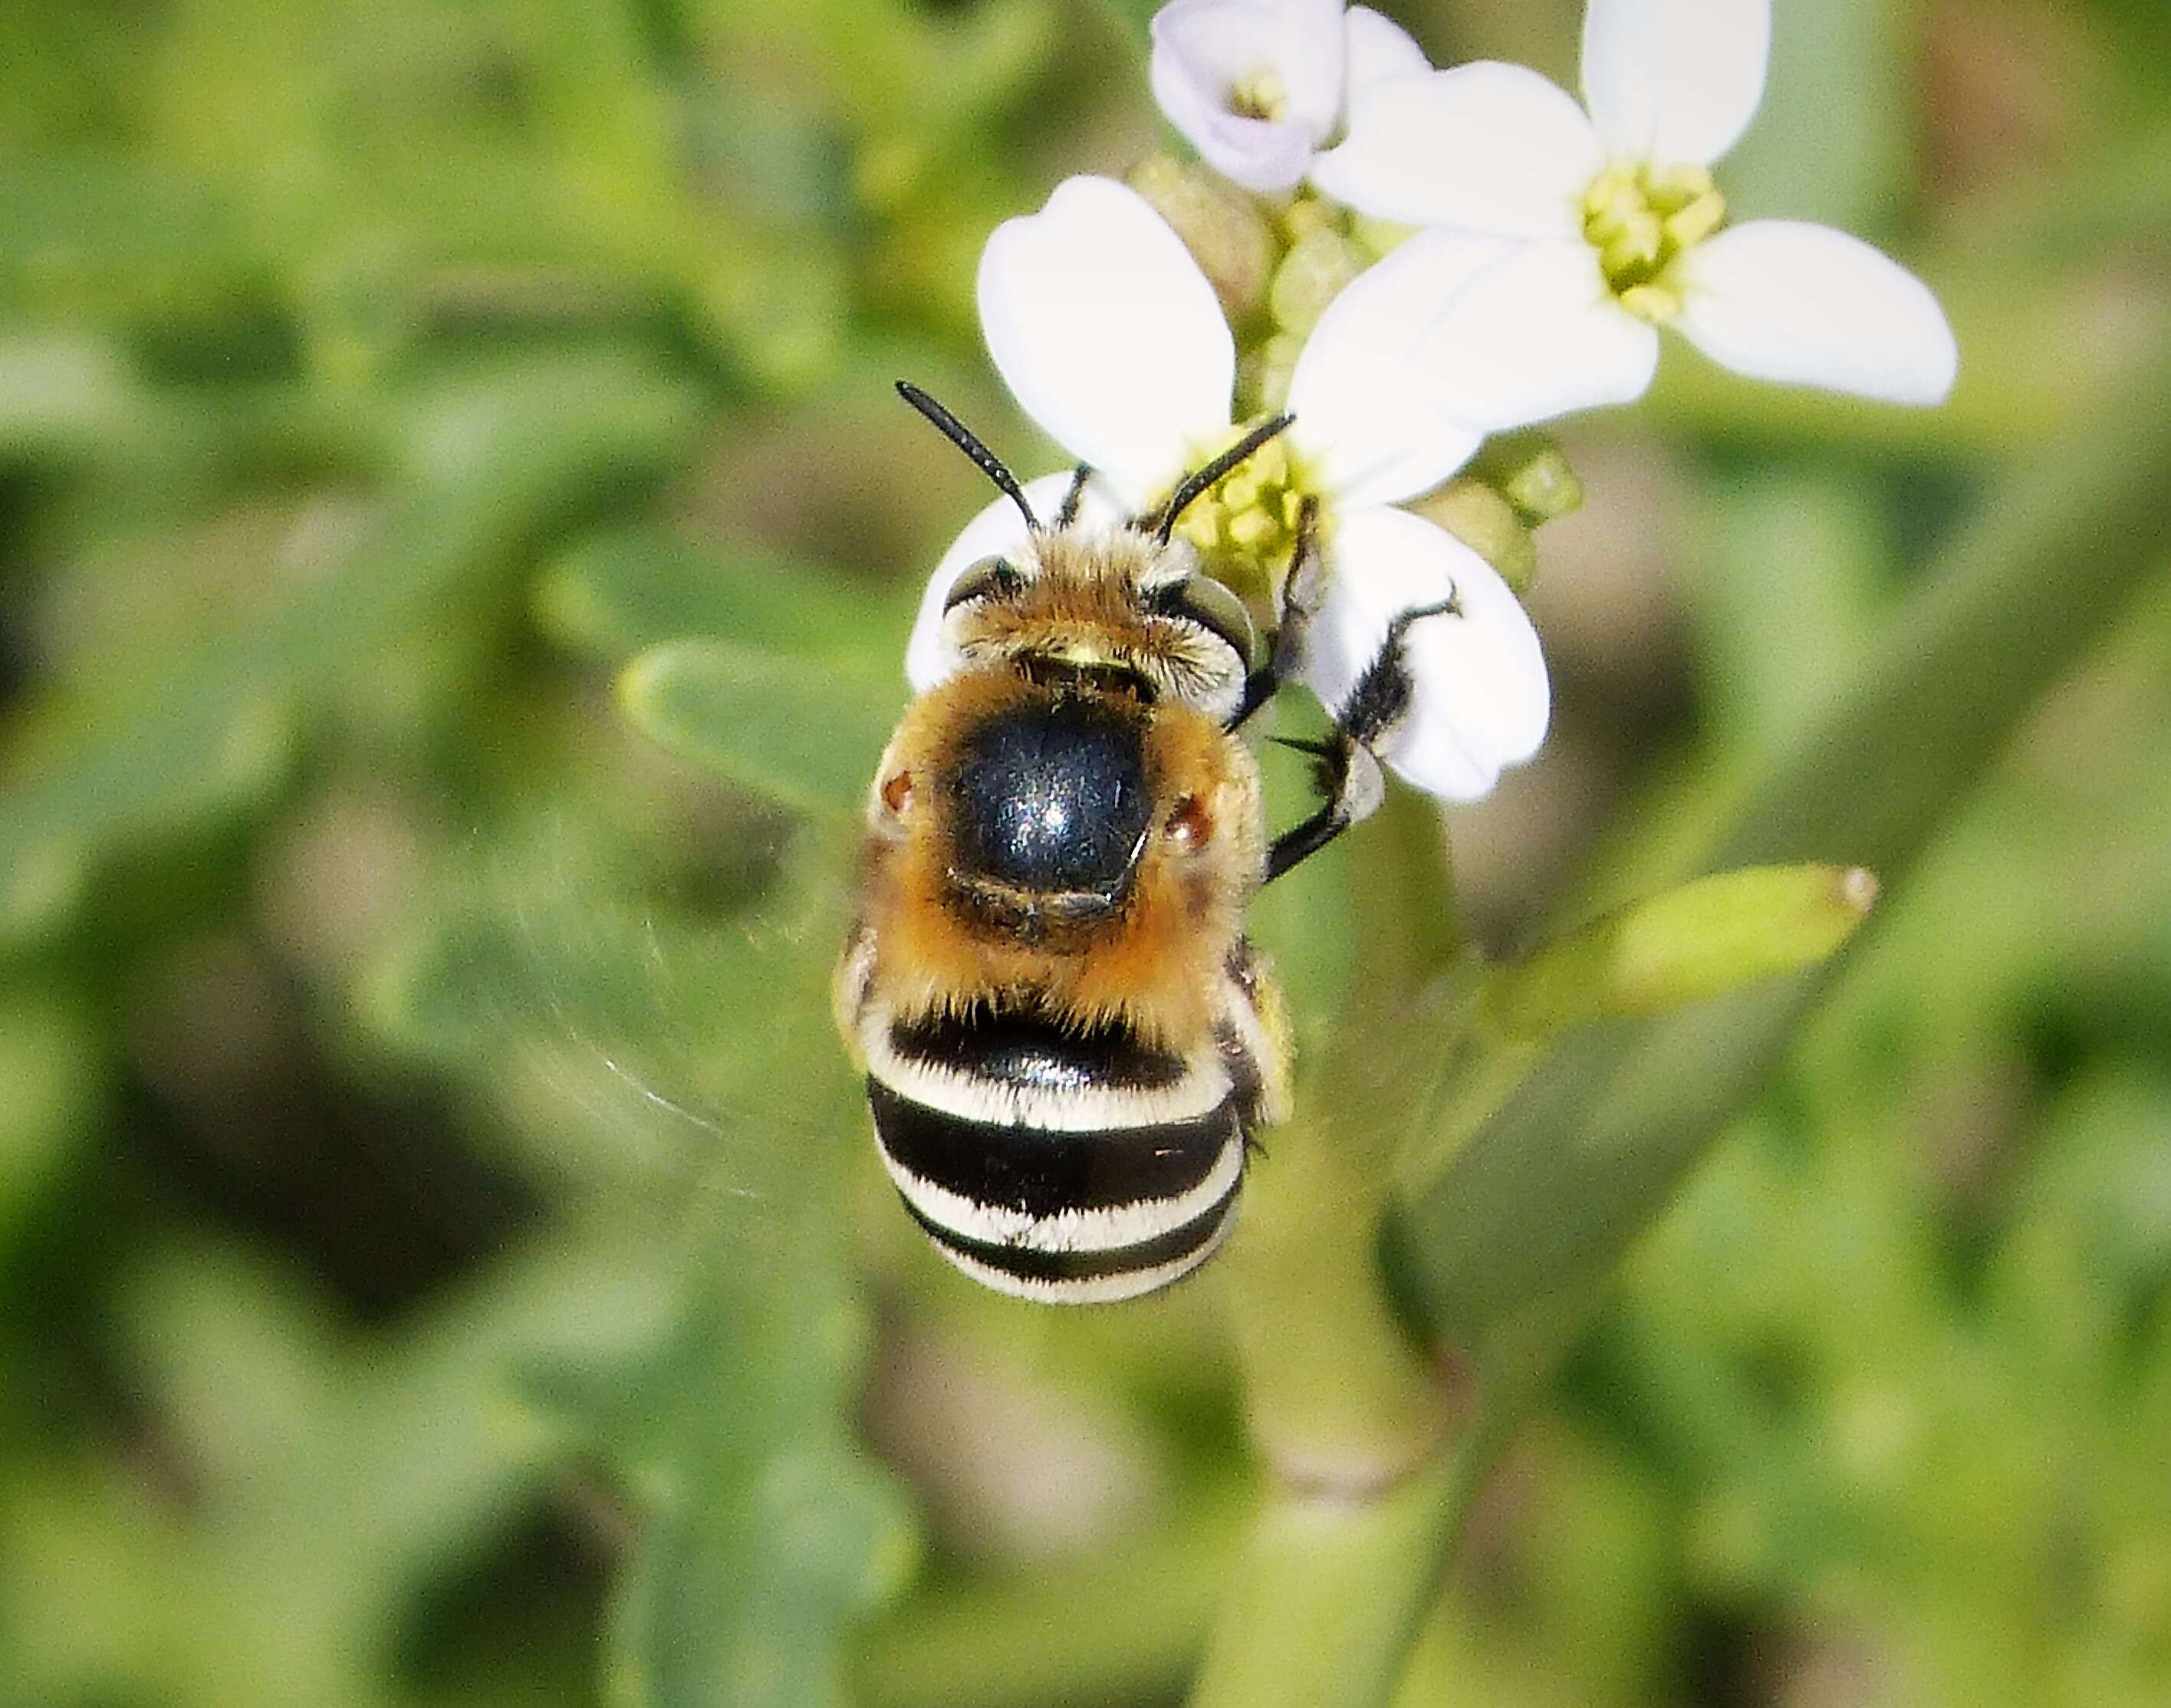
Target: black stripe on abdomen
1030,1264
1029,1050
1044,1172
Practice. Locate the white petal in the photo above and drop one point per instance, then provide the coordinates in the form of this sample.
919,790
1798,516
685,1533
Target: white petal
1369,417
1806,305
1674,82
1108,333
1480,699
1378,49
1537,335
1486,147
1204,49
998,531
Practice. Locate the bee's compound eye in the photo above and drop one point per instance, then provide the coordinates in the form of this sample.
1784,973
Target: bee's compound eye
1217,609
991,578
896,791
1190,824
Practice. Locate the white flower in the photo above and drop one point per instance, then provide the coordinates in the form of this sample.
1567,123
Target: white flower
1108,334
1622,227
1259,86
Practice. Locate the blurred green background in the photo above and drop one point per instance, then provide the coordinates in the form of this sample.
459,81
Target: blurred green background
440,1262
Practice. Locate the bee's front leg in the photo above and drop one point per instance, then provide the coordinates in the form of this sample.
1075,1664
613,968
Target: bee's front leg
1349,775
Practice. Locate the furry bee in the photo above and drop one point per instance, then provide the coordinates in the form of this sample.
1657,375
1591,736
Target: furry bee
1067,1040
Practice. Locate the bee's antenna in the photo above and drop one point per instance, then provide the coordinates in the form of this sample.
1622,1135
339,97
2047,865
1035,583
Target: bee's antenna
1163,521
1069,514
963,436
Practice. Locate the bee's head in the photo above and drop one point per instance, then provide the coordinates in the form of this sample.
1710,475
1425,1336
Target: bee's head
1126,604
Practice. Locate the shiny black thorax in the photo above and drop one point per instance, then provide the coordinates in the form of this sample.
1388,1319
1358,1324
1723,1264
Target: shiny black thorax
1049,802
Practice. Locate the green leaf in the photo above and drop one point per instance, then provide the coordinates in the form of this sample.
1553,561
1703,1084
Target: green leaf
618,591
1691,943
803,733
51,1078
766,1527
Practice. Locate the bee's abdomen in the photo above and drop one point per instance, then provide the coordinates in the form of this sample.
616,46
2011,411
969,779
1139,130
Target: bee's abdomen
1057,1165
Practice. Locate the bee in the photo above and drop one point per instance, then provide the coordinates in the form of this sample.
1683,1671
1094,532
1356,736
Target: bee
1069,1044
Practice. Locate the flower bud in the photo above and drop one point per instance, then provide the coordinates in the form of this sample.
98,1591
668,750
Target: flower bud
1531,472
1223,229
1478,515
1699,941
1312,276
1263,374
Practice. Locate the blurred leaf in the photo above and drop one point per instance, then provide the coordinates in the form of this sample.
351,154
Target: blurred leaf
804,734
634,1034
334,1479
615,592
766,1527
503,460
1796,567
559,979
51,1077
106,234
1830,142
1131,18
61,392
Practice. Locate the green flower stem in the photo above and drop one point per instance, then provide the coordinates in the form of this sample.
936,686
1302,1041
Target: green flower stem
1332,1592
1123,1624
1338,1395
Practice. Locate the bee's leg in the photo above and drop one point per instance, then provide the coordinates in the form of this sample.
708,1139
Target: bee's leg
1300,596
1348,760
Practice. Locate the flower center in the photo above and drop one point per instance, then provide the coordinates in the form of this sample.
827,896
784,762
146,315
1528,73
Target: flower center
1245,526
1260,95
1642,223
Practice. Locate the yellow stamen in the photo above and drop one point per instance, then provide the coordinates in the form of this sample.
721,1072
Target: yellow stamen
1245,529
1262,95
1642,223
1657,303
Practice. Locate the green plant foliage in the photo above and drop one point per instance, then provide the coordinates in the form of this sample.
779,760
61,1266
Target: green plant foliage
781,725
